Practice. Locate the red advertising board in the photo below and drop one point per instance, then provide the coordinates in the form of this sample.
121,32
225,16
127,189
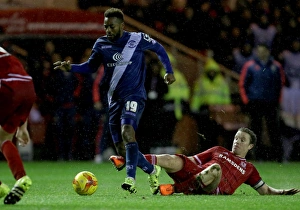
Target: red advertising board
51,21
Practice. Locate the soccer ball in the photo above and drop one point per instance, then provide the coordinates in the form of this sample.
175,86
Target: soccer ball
85,183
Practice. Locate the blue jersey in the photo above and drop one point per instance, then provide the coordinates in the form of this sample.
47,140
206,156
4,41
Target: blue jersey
124,64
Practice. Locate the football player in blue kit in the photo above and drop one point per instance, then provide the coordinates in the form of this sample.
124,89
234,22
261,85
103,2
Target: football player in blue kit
122,54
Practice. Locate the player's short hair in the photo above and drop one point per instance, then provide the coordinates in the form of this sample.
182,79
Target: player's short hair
114,12
253,137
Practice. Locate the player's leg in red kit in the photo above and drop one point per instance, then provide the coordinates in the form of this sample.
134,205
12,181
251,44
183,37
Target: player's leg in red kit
13,116
16,166
204,182
7,130
13,158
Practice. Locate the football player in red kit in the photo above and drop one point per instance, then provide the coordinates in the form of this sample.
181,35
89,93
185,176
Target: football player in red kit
216,171
17,96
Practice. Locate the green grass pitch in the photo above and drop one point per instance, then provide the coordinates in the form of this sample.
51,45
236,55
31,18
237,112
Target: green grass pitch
52,189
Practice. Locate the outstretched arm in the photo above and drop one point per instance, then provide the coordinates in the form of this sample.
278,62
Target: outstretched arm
89,66
267,190
76,68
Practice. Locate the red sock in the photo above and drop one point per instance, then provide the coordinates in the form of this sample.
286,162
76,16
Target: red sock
187,186
13,158
151,159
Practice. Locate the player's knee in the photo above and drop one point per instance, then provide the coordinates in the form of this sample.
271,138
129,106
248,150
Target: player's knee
215,166
211,173
211,177
215,170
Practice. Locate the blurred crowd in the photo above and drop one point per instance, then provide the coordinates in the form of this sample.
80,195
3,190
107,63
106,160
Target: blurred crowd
72,107
220,25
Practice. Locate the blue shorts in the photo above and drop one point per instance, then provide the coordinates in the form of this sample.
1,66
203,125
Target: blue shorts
122,112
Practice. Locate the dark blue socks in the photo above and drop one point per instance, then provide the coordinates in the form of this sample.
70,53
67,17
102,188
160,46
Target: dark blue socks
135,158
131,158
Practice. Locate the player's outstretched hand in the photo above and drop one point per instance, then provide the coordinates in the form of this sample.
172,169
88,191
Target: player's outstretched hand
62,65
292,191
169,78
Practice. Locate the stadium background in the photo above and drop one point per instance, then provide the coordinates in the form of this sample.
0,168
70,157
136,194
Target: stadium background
29,23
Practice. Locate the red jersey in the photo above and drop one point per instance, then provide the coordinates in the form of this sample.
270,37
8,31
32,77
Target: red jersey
11,67
235,170
17,93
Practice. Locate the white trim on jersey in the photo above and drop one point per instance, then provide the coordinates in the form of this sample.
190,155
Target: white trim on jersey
20,76
16,77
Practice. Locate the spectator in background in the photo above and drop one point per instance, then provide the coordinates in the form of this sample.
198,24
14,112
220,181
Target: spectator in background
291,63
261,82
263,32
241,56
290,104
290,114
211,88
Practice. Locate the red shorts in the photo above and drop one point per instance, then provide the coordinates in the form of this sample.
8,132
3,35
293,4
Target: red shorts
185,177
16,100
188,171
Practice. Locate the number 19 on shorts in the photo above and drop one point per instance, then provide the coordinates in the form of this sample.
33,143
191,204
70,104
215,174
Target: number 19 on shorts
131,106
